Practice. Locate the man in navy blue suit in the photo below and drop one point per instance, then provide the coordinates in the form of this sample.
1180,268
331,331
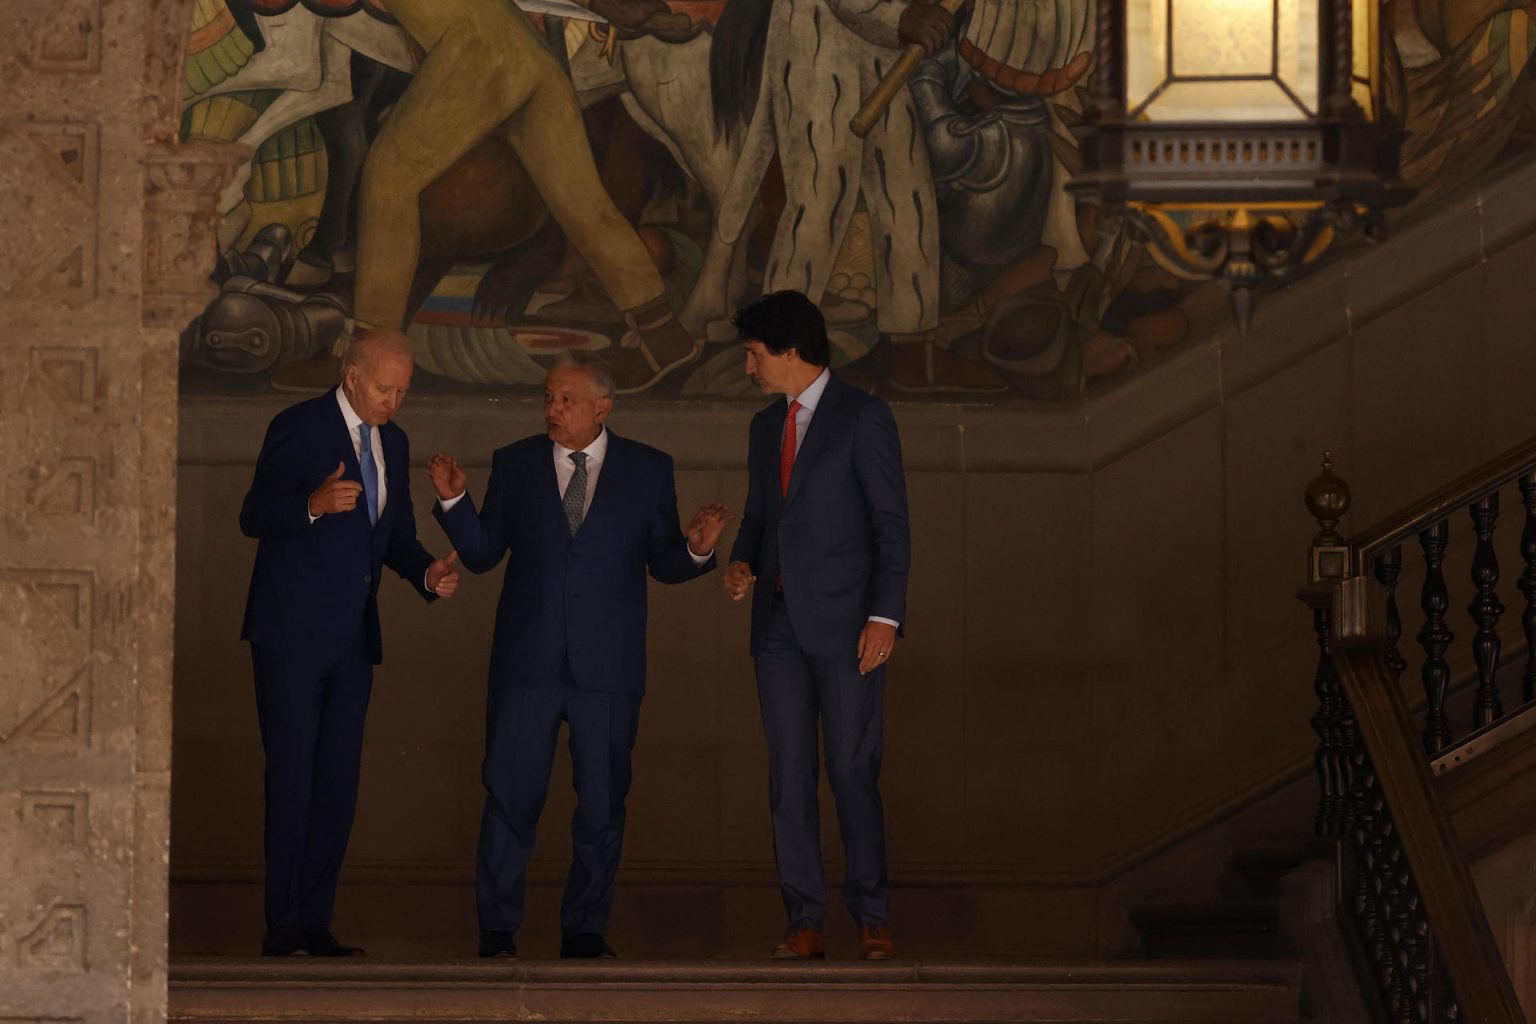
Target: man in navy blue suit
581,515
824,533
330,505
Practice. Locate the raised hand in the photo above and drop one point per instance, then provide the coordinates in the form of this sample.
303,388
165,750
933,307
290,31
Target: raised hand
738,580
448,477
705,526
924,24
442,577
877,642
335,494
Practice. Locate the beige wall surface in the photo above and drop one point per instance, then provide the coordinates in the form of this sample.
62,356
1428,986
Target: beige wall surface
1104,658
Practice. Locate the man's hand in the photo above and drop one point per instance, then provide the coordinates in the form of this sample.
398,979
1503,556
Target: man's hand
876,642
924,24
334,494
704,529
442,578
738,580
448,477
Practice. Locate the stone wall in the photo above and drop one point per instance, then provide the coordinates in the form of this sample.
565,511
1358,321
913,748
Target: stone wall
105,237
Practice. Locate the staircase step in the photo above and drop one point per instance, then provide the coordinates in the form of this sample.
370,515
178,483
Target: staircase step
1228,928
216,991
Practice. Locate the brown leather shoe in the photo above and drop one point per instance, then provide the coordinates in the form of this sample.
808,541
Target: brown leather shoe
875,943
801,944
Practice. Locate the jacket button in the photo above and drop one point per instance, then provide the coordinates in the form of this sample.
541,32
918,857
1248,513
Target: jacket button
368,578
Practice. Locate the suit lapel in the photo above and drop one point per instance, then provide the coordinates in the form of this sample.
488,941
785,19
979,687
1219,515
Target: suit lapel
816,435
549,486
352,469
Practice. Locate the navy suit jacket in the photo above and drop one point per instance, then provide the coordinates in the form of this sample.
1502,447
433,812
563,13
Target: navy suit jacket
314,585
579,600
839,539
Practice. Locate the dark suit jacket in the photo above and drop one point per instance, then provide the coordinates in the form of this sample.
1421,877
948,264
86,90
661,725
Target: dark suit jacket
839,540
315,584
580,599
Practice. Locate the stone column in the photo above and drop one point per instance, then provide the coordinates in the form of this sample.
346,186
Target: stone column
106,241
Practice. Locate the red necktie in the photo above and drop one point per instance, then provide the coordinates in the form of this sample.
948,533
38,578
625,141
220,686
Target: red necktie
787,450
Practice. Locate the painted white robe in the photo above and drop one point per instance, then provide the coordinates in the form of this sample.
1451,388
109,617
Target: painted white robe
821,58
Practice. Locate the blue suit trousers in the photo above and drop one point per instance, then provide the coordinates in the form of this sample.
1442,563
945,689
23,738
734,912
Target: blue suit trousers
796,691
524,727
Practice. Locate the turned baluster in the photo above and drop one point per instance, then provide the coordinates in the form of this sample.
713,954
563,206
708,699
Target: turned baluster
1528,583
1327,498
1332,749
1388,566
1436,636
1485,610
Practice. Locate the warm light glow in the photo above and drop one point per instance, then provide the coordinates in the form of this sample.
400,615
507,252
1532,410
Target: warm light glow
1222,101
1213,42
1364,25
1221,38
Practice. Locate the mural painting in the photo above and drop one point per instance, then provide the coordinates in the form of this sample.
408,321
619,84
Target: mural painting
507,180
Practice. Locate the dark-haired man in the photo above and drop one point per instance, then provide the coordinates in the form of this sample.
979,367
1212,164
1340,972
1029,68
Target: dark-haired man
825,536
330,504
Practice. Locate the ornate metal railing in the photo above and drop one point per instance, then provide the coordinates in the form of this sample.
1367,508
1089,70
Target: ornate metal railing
1408,887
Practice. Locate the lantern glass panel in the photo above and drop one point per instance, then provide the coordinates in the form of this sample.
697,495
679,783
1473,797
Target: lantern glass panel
1223,101
1364,84
1222,60
1222,38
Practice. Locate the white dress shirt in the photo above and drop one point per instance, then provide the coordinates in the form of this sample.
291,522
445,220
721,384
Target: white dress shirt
596,452
353,419
809,399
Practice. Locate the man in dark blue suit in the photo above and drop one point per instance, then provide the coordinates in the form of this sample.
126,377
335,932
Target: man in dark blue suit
825,534
581,514
330,505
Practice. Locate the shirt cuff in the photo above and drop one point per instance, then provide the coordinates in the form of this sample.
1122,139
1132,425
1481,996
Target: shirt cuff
445,505
888,622
700,559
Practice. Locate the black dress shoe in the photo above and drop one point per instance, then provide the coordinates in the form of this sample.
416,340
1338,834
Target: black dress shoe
320,942
283,942
585,946
497,944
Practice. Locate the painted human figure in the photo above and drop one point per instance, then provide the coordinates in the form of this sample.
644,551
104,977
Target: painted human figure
820,58
486,72
983,104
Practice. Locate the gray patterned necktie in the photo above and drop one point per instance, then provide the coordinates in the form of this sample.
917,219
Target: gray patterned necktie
576,492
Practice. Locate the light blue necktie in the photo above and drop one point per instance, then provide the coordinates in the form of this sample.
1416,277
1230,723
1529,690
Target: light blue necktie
370,473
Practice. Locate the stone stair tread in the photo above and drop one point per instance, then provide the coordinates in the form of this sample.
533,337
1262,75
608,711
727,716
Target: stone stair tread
212,990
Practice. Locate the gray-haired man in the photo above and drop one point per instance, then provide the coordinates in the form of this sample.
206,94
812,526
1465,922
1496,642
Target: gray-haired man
582,515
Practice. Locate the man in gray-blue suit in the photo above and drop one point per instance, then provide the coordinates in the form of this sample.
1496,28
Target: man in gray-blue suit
825,536
581,516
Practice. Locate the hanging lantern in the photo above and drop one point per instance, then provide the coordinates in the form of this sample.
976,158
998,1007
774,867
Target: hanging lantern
1239,138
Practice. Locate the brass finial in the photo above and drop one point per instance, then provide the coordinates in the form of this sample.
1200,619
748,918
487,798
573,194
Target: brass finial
1327,499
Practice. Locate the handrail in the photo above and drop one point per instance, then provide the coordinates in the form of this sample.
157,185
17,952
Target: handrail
1470,487
1450,898
1425,926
